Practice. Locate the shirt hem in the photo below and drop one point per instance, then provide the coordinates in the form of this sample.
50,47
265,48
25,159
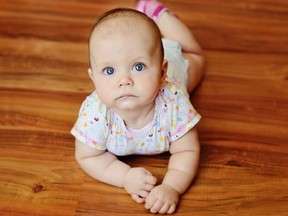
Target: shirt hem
190,125
77,135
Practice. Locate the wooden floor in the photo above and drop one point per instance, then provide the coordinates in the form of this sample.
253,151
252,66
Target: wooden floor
243,100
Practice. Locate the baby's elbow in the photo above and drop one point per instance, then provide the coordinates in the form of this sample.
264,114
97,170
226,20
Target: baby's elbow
78,157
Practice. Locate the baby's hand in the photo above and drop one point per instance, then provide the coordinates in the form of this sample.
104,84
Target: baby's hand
162,199
139,182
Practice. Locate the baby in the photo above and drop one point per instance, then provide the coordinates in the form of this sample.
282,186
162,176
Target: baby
141,103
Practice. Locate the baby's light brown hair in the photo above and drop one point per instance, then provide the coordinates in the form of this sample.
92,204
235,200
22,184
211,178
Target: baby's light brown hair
130,13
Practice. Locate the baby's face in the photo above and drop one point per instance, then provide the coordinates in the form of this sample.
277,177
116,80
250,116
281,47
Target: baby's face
126,67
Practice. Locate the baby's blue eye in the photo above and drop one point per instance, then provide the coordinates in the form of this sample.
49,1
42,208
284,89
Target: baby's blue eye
139,67
109,71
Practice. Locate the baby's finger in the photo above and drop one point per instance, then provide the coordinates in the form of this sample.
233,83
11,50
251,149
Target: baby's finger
137,198
147,172
164,208
150,200
171,209
157,206
149,187
143,194
151,180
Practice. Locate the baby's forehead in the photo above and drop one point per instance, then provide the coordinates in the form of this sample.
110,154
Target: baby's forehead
123,25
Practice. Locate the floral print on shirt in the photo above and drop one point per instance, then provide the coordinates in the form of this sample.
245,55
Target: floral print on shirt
99,127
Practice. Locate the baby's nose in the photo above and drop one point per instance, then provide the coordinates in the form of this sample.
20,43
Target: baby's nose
125,81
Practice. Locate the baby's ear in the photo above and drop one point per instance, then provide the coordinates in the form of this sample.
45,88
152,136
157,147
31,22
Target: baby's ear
90,73
164,69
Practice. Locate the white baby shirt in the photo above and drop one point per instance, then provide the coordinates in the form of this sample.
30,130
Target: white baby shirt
99,127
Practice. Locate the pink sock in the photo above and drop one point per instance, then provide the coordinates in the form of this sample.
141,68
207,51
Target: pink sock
151,8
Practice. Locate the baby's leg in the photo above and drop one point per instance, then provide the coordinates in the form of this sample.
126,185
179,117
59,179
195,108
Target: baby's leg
173,28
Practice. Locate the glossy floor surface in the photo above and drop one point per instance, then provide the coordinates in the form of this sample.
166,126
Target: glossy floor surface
243,100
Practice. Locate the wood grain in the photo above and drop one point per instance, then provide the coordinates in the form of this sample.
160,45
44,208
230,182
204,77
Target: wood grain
243,100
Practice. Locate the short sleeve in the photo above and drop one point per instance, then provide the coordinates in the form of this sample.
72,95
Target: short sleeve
91,127
181,114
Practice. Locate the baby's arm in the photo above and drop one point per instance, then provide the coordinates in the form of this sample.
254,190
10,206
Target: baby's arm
182,168
105,167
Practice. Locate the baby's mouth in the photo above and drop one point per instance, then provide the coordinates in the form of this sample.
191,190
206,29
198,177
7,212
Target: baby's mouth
126,96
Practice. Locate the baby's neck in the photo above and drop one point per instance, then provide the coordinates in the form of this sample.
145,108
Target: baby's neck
139,118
